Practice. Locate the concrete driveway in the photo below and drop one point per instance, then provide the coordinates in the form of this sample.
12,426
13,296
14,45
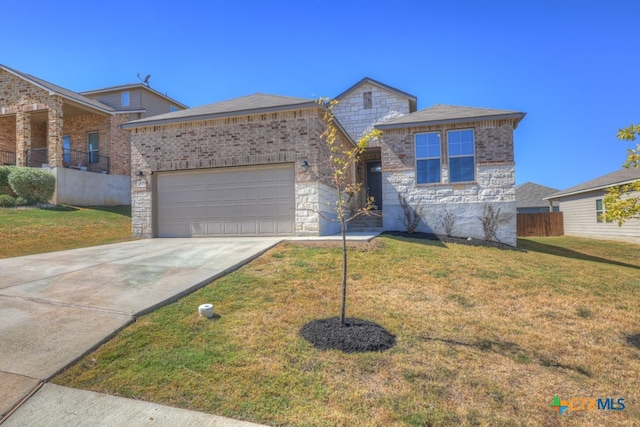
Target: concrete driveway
57,307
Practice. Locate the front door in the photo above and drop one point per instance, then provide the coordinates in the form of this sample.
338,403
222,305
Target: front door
374,183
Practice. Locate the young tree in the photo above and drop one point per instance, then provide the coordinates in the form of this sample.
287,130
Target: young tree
619,204
342,159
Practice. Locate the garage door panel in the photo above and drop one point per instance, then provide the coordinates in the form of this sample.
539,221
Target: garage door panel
239,201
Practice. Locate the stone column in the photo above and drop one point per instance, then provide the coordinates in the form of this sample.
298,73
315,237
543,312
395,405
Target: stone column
54,133
23,137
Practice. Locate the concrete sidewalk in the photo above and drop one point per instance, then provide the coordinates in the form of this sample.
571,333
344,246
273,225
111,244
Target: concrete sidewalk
57,307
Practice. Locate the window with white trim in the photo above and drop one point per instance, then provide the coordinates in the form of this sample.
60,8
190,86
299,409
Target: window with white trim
125,99
427,157
462,164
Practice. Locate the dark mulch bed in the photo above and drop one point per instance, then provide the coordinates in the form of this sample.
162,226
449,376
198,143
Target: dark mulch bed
356,336
459,240
634,340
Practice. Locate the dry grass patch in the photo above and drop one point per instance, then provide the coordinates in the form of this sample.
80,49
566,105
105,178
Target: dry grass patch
484,337
28,231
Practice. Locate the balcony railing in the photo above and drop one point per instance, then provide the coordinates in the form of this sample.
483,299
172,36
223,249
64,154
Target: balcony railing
7,158
72,159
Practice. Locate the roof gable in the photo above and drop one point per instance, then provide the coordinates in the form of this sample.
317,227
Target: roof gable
58,90
132,86
445,114
619,177
412,99
252,104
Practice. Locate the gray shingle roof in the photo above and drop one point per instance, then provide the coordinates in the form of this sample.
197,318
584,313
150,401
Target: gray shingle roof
443,114
65,93
623,176
252,104
531,195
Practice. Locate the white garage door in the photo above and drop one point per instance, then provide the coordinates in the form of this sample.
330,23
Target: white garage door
241,201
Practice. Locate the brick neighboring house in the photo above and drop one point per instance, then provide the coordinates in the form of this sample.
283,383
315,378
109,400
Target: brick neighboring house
45,125
255,165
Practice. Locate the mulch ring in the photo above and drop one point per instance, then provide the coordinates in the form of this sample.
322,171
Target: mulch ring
356,336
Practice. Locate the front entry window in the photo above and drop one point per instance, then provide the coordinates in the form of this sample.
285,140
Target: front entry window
94,147
66,149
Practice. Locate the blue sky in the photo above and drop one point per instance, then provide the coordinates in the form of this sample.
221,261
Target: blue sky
572,66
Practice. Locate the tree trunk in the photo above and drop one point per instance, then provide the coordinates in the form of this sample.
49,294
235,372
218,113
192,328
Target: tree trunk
343,230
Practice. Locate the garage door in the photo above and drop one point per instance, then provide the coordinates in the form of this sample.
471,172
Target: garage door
242,201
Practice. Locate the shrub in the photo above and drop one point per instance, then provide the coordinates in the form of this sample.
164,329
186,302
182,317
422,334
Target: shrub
410,217
32,184
448,221
5,188
23,201
6,201
490,222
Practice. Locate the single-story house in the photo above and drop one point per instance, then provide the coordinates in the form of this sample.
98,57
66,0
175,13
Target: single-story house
71,133
256,165
583,204
530,198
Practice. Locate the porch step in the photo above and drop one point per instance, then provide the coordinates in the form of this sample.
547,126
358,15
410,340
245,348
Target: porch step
365,223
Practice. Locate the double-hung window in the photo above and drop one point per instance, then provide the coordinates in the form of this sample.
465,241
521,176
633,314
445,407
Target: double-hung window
125,99
94,147
462,165
427,157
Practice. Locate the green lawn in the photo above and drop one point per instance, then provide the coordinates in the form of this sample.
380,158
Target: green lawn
484,337
27,231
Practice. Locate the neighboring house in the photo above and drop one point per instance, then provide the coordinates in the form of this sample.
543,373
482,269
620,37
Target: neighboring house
530,198
45,125
256,165
583,204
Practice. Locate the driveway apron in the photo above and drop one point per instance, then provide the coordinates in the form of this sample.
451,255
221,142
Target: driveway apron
57,307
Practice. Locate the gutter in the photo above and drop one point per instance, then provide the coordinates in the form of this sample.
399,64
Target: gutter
518,116
586,190
210,116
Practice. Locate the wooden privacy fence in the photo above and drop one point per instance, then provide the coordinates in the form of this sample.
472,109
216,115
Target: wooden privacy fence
540,224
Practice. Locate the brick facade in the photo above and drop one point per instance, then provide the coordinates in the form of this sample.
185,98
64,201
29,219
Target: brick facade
32,117
294,136
279,137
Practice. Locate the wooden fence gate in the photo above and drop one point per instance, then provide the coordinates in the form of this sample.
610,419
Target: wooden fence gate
540,224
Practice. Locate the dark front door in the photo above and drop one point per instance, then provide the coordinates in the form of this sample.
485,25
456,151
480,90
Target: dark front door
374,183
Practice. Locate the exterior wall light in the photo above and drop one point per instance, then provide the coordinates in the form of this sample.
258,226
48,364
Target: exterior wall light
304,166
139,173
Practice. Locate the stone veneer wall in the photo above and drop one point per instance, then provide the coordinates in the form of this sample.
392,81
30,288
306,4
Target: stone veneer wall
20,98
495,186
311,198
279,137
357,121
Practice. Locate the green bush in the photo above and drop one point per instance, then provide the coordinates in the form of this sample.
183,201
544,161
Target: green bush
32,184
5,188
6,201
23,201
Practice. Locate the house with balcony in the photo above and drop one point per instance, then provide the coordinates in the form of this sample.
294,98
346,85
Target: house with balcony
75,135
